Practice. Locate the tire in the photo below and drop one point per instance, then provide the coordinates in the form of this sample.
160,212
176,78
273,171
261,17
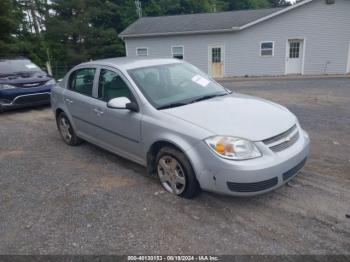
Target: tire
176,174
66,130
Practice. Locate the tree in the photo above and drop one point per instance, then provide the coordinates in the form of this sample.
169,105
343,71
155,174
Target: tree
82,30
79,30
247,4
279,3
10,20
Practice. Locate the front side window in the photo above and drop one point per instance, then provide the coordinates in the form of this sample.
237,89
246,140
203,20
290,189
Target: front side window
111,85
82,81
174,84
142,51
178,52
266,49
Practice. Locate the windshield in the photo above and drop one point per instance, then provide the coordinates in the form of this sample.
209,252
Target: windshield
176,84
17,65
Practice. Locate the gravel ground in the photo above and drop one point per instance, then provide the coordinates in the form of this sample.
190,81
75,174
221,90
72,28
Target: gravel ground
56,199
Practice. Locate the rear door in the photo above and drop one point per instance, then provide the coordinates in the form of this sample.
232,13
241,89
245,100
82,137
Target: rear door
78,99
116,129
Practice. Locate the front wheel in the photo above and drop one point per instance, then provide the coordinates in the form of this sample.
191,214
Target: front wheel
176,174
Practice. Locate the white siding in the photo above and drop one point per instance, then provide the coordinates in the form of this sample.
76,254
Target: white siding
324,28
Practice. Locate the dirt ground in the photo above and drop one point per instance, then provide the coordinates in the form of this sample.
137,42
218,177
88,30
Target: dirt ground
56,199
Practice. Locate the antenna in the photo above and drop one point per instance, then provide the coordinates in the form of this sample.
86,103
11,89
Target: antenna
138,8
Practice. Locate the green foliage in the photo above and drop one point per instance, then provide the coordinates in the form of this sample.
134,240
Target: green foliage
68,32
248,4
83,30
10,20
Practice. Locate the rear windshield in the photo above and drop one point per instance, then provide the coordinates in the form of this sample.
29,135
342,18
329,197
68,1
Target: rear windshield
17,65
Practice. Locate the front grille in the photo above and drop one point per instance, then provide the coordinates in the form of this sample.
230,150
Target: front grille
252,187
289,174
280,136
32,98
284,140
284,145
29,85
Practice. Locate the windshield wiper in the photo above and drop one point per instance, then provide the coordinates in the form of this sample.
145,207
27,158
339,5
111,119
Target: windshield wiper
177,104
206,97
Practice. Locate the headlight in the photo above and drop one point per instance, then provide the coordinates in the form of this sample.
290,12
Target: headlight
233,148
51,82
5,86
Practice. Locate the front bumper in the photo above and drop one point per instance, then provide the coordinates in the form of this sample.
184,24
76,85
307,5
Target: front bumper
24,97
249,177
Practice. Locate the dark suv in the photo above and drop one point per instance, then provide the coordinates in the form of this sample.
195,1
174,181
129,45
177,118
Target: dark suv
22,83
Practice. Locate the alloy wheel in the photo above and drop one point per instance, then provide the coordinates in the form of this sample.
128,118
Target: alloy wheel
171,175
65,129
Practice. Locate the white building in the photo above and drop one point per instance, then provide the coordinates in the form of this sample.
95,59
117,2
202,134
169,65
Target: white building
311,38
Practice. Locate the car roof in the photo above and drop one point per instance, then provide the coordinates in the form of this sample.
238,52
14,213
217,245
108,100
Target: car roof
131,63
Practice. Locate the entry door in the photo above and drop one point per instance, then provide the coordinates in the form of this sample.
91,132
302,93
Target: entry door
294,57
216,61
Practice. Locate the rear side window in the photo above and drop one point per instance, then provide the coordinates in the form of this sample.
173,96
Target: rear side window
82,81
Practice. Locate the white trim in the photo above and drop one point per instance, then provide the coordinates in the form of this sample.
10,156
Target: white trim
287,9
348,64
273,48
210,47
137,48
286,57
304,53
126,48
183,51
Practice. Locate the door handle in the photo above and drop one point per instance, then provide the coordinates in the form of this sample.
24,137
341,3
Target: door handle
69,100
98,111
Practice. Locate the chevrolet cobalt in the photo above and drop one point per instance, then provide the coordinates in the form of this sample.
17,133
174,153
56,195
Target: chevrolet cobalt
186,128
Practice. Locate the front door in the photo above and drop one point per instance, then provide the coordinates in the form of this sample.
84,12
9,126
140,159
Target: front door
118,130
216,63
294,60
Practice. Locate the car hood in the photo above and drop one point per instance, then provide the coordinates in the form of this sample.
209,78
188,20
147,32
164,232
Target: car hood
25,78
237,115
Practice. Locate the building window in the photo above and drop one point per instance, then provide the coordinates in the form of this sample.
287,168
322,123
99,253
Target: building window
266,48
142,51
177,52
294,49
216,54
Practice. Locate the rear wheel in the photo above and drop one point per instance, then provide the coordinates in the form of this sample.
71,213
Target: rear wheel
176,174
66,130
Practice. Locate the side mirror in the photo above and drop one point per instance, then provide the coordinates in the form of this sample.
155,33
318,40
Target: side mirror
122,103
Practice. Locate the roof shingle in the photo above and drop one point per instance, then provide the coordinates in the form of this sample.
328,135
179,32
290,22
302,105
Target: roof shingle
195,22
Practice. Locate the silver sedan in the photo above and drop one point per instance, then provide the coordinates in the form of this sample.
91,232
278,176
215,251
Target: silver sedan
183,126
